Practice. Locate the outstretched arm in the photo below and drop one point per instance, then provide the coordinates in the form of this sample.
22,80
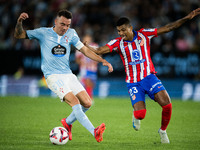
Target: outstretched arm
101,50
171,26
20,33
90,54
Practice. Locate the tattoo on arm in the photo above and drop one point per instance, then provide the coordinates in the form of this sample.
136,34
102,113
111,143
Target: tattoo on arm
171,26
19,31
176,24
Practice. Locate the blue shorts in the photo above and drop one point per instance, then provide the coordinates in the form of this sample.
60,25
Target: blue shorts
149,85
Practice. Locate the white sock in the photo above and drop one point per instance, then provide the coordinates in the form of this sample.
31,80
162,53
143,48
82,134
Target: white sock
71,118
82,118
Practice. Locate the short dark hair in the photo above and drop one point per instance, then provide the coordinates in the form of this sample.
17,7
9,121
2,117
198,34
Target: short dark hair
65,13
123,20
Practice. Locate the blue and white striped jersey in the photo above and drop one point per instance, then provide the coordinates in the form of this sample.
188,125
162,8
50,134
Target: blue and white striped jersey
55,49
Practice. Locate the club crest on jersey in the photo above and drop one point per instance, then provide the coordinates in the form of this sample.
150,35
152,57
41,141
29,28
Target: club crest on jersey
66,38
58,51
133,97
141,42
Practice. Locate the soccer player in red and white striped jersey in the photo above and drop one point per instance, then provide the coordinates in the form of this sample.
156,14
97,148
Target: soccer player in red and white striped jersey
87,67
135,54
134,50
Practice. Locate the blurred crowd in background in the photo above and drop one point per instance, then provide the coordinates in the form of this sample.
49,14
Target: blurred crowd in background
175,54
98,17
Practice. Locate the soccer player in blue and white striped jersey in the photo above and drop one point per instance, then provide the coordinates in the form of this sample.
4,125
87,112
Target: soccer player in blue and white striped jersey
55,43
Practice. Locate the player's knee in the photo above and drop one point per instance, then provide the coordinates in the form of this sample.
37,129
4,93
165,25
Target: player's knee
88,104
140,114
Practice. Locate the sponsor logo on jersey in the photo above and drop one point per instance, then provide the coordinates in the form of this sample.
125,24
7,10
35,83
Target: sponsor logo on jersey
137,62
58,51
136,58
136,54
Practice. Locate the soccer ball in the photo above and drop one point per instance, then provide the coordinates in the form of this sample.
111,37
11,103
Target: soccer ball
59,136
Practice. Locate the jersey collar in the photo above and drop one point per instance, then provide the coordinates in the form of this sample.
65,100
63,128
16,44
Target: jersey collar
133,37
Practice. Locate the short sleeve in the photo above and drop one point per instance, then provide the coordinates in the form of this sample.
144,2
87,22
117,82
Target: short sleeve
150,33
113,44
34,34
76,41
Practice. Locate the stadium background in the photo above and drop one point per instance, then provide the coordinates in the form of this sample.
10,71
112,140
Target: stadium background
176,55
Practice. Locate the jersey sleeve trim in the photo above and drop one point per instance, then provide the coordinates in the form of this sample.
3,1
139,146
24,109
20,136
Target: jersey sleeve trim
79,45
156,35
110,47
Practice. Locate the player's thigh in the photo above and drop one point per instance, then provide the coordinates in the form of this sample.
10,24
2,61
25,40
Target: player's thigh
84,99
156,90
137,96
162,98
71,99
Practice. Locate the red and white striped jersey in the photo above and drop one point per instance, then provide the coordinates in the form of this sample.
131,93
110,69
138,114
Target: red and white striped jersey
86,64
135,54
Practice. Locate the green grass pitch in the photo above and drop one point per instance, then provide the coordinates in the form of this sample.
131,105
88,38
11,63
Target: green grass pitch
25,124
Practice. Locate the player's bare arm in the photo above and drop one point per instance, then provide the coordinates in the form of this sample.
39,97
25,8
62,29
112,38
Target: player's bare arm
90,54
101,50
171,26
20,33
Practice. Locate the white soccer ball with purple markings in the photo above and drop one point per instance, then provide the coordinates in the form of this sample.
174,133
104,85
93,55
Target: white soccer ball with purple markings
59,136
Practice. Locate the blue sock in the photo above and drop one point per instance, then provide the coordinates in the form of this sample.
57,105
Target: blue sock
82,118
71,118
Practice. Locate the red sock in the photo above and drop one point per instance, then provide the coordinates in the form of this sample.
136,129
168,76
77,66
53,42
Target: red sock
166,116
140,114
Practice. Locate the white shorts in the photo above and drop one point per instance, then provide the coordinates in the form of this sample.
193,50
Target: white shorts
61,84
